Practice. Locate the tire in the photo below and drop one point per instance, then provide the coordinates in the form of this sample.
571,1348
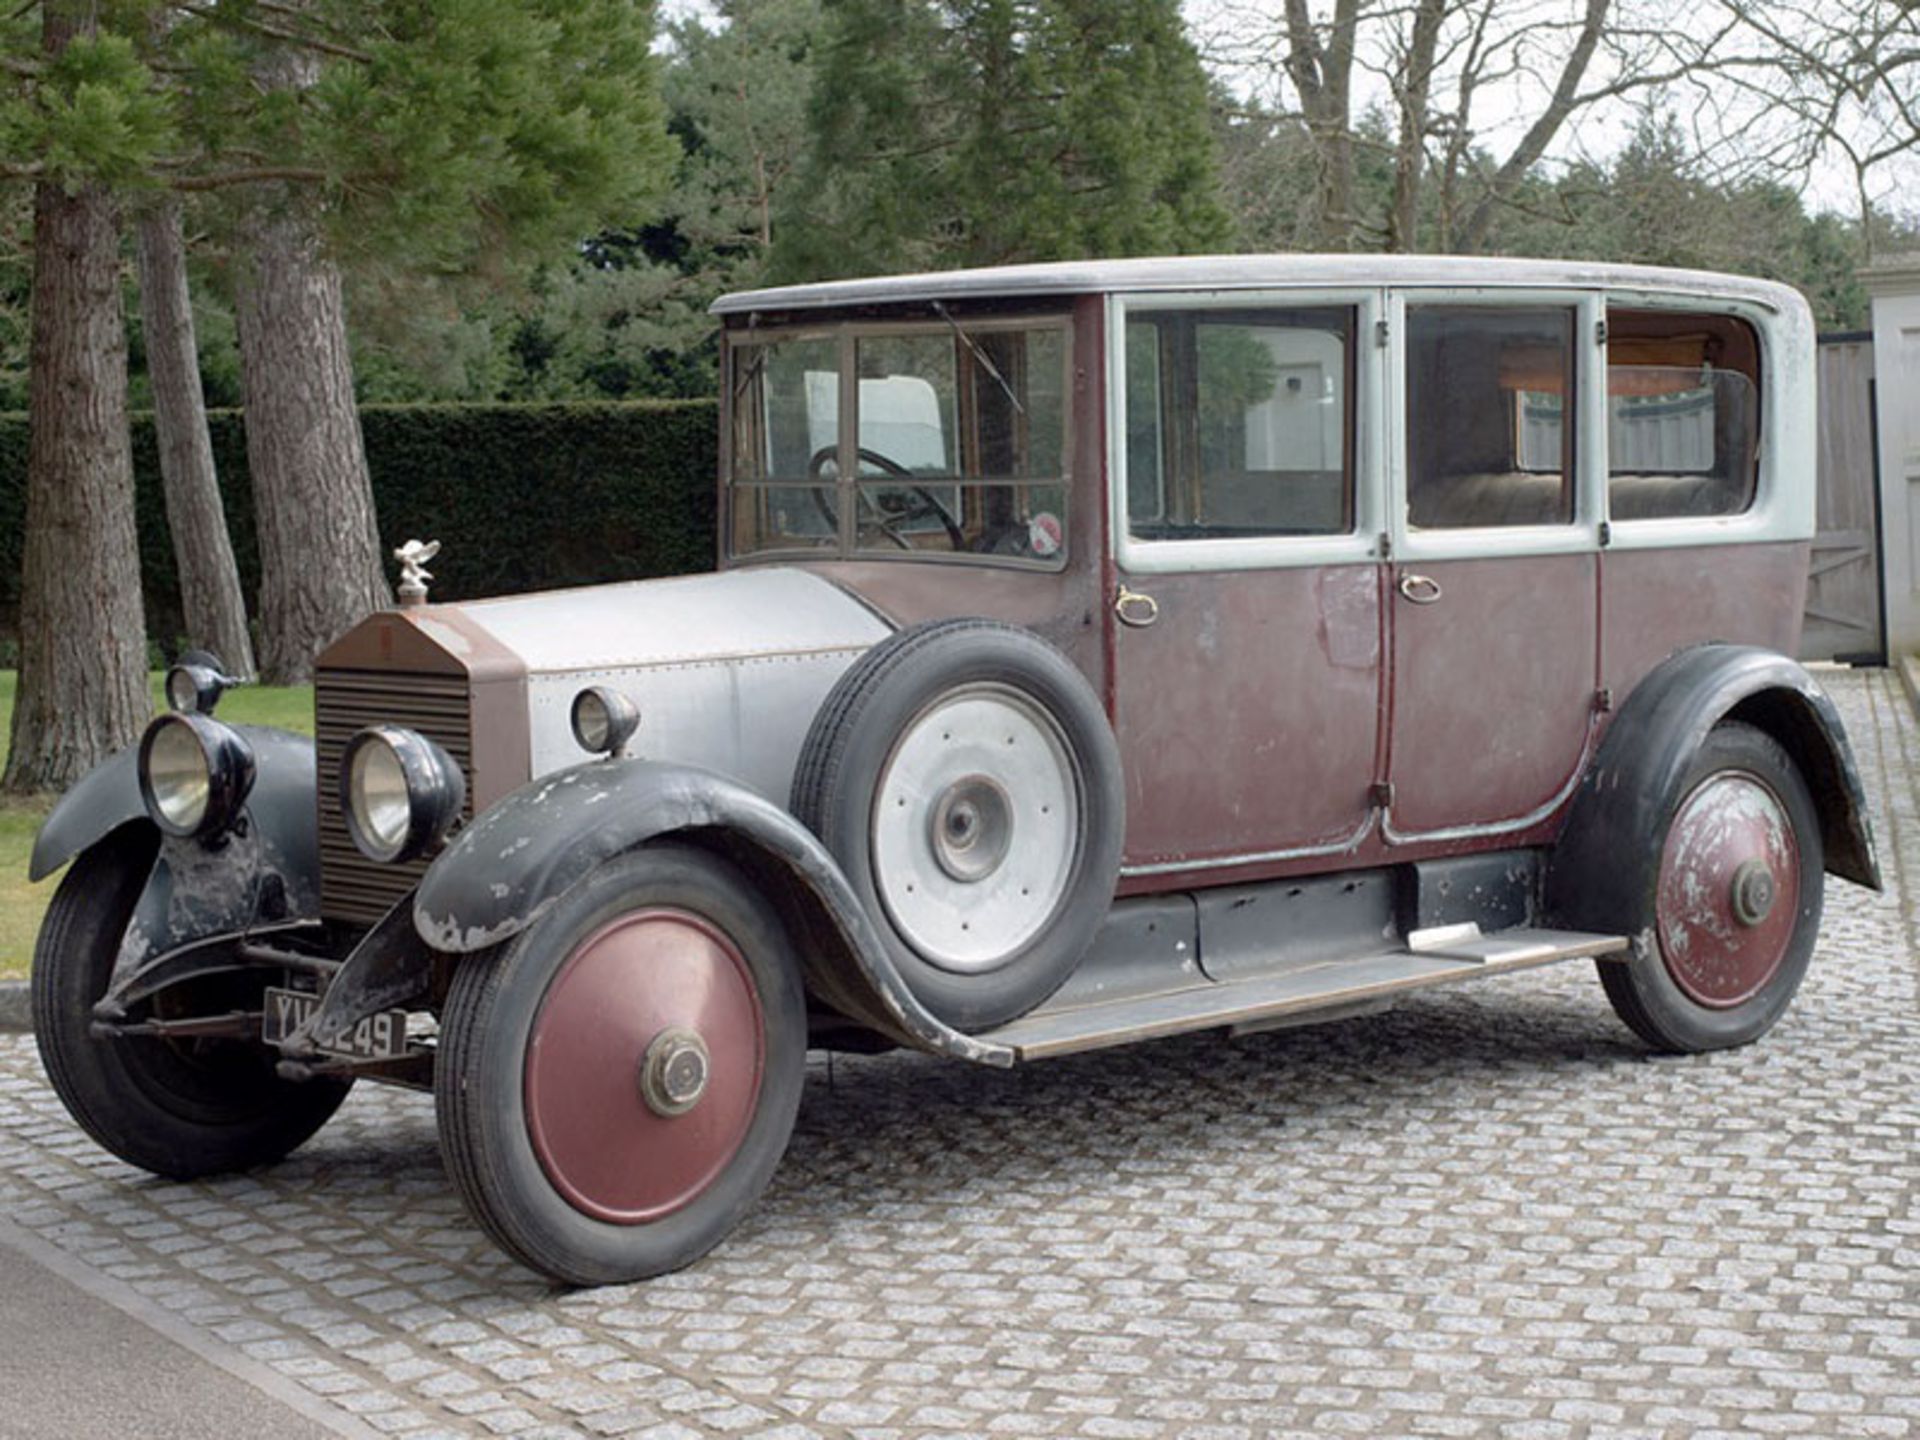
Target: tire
1732,902
964,775
556,1124
179,1108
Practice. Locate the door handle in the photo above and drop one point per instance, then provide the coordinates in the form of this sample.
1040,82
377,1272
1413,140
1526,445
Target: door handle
1420,589
1135,609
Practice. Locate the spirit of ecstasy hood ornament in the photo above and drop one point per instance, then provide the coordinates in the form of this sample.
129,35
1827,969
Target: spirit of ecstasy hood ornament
413,557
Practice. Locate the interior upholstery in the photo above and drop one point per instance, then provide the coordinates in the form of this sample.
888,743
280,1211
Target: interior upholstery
1519,497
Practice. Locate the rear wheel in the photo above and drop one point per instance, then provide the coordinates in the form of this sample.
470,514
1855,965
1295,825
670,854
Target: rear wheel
1732,908
616,1085
180,1108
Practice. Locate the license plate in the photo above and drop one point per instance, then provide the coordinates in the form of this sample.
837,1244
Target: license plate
378,1037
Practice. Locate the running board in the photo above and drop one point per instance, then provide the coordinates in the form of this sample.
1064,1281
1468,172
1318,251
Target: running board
1432,957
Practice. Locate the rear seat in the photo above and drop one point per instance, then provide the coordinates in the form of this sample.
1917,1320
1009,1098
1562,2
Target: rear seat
1520,497
1655,497
1514,497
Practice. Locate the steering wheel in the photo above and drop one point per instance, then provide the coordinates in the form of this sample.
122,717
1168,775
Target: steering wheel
885,519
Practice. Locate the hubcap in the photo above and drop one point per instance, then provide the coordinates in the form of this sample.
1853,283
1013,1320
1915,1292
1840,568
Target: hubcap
663,998
971,828
673,1074
976,827
1753,892
1729,889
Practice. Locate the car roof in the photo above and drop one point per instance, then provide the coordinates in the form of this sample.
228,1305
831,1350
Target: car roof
1250,272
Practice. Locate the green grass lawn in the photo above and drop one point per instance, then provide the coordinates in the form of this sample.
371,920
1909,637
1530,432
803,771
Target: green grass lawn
21,904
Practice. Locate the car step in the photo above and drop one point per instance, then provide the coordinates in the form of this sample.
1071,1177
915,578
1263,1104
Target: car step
1432,957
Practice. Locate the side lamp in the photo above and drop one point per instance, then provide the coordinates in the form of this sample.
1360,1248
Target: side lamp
195,683
603,720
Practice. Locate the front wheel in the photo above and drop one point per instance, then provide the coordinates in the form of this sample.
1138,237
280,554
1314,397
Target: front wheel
177,1107
1732,911
617,1083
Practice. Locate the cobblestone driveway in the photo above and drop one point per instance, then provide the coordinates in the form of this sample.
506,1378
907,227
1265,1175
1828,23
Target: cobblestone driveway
1486,1213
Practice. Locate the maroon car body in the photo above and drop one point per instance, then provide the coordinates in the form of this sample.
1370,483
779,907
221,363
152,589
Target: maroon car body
1098,652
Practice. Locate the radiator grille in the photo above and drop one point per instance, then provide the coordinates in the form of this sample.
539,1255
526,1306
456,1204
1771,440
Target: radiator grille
353,888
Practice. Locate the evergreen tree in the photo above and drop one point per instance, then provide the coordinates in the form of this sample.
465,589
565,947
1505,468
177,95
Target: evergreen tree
435,135
16,284
980,132
85,122
626,313
1653,204
213,608
738,95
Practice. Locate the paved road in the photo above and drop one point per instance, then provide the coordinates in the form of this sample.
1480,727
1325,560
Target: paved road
1488,1212
145,1374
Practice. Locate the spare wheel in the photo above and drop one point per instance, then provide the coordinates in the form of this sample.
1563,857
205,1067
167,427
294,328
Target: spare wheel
964,775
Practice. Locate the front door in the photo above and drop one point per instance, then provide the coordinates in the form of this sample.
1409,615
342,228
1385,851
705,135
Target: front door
1248,627
1493,592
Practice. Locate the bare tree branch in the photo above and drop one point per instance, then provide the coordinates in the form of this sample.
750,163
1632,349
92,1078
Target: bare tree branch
1413,91
1540,134
1323,77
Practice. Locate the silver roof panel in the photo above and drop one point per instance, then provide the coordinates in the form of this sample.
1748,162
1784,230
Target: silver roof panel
1249,272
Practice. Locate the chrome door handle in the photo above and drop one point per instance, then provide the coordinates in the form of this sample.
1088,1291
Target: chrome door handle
1420,589
1135,609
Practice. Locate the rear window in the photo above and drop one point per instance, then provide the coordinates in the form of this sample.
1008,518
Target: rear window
1683,414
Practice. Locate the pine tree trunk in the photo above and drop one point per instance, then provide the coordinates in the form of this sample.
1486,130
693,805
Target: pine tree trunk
82,691
320,570
215,612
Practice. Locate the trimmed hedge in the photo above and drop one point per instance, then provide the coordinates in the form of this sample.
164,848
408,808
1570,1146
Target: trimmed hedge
521,497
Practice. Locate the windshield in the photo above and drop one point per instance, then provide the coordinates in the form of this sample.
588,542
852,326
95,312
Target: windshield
922,439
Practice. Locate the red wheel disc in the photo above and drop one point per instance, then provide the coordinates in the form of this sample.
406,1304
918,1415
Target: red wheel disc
604,1147
1729,889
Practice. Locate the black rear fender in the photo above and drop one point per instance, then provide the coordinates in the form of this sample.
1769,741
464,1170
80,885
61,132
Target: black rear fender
1619,814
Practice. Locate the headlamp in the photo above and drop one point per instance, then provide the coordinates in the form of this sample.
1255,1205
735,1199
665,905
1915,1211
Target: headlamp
399,792
195,774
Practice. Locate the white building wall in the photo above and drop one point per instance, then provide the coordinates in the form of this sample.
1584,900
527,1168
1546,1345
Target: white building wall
1895,286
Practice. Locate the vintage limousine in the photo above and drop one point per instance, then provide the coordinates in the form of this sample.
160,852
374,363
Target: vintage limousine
1097,652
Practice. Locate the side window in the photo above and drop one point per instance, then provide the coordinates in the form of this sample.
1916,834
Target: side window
1683,414
1239,423
959,446
779,393
1488,393
962,441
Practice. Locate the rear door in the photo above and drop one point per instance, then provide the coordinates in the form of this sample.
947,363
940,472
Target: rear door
1492,587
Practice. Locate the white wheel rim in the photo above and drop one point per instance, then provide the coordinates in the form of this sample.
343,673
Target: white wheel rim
976,827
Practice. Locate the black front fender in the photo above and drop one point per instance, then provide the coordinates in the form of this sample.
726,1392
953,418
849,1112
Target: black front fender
266,871
108,796
97,804
503,872
1601,861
